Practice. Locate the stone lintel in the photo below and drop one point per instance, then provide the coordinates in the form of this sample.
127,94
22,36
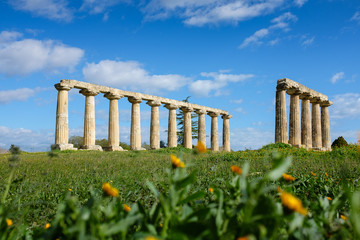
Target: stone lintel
225,116
112,96
285,84
213,114
153,103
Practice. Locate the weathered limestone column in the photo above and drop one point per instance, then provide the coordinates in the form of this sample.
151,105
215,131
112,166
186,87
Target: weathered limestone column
113,134
89,120
306,135
226,133
214,131
325,125
316,124
294,123
135,133
201,126
154,124
187,127
280,115
62,119
172,132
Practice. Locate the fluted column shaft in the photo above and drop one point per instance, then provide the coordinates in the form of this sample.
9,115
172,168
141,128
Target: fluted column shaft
154,125
187,127
325,126
201,126
294,123
226,133
280,117
62,117
316,125
214,131
172,132
135,132
113,129
89,120
306,135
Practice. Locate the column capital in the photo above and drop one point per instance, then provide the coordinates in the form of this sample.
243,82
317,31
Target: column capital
200,111
315,100
171,106
305,96
326,103
226,116
112,96
88,92
134,99
153,103
282,86
213,114
60,87
294,91
187,109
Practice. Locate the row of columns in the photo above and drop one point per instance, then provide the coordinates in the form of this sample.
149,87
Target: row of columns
62,126
312,130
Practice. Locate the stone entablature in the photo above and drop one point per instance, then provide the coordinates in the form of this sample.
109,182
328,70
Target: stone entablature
313,130
90,90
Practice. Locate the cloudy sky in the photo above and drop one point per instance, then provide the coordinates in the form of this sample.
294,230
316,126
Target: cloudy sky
226,54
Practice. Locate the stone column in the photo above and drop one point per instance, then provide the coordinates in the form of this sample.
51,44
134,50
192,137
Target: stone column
294,123
62,119
306,135
135,133
172,132
325,125
214,131
316,124
154,124
187,127
89,120
280,115
226,133
201,126
113,133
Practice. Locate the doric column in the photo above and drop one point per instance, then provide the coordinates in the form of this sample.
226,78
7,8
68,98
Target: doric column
316,124
306,135
187,127
135,133
154,124
214,131
89,120
294,123
113,134
62,119
280,115
201,126
325,125
226,133
172,132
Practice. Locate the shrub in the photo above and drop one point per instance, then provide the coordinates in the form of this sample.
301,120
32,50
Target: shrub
276,146
339,142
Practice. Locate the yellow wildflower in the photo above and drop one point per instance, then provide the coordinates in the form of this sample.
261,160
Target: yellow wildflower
279,189
9,222
47,225
126,208
176,162
201,147
70,189
314,174
288,177
151,238
243,238
109,190
329,198
343,217
292,203
326,174
236,169
211,190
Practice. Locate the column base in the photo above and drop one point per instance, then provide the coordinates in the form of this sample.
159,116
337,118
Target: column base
113,148
62,147
138,149
91,147
317,149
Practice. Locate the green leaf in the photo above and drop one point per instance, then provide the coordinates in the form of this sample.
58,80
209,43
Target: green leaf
281,165
193,196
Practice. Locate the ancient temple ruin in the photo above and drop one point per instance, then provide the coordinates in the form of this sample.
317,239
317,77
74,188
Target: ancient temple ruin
113,95
313,130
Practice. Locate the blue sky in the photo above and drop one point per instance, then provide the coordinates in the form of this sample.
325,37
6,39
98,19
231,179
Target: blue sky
226,54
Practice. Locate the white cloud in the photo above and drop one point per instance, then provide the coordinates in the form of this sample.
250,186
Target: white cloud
300,3
250,138
307,41
130,75
20,94
240,110
345,106
51,9
356,17
219,81
22,57
99,6
202,12
282,22
237,101
337,76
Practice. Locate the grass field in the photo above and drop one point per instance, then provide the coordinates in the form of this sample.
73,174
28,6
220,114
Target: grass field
42,181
